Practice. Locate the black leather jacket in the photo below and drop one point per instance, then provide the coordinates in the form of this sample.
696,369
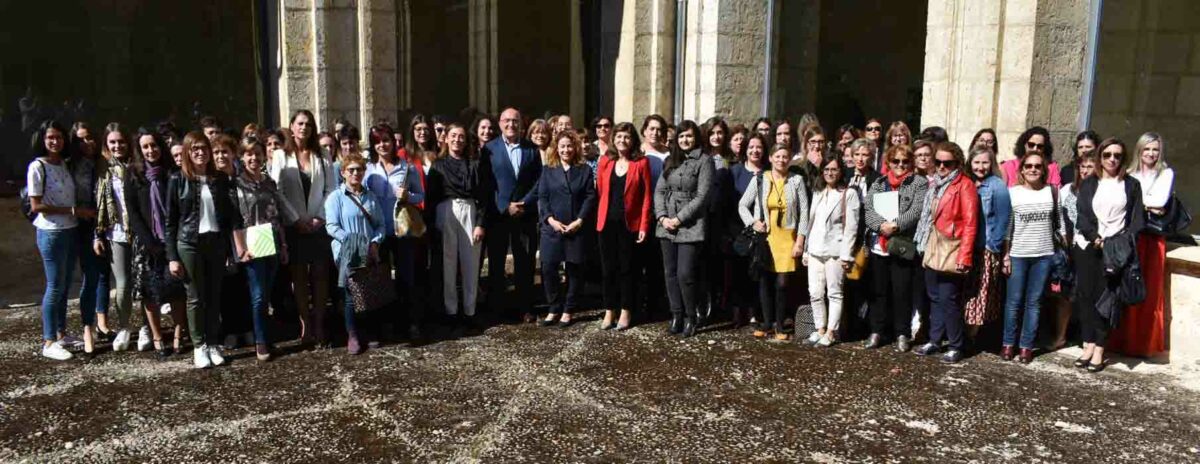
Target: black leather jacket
183,209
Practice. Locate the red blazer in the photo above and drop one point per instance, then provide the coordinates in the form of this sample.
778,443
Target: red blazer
637,195
956,215
417,162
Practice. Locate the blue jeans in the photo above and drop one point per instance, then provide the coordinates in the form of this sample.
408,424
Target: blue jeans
260,274
93,294
1025,286
57,248
348,305
945,312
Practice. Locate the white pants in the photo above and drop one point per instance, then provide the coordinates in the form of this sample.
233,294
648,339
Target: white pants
825,279
456,220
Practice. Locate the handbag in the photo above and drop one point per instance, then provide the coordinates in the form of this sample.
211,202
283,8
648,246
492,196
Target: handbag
860,254
370,287
901,247
409,222
1133,287
1174,220
755,243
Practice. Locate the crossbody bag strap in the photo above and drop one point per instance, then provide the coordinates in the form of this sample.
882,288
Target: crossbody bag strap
761,216
361,208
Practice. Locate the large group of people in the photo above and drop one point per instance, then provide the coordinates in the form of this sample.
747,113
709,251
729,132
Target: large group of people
874,234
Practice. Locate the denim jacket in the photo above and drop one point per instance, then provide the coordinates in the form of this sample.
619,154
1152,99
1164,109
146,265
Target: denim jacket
996,206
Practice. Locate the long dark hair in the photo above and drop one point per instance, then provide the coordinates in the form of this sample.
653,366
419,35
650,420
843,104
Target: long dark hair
74,145
724,150
411,146
636,144
164,154
312,144
654,117
473,134
379,133
1019,149
677,155
38,145
819,183
1085,135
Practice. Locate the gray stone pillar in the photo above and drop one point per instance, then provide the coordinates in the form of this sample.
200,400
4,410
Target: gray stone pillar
723,64
482,27
644,78
377,62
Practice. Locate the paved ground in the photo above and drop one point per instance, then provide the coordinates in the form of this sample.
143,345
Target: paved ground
525,394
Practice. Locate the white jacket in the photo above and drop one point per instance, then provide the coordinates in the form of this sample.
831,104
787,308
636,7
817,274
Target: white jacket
840,220
285,169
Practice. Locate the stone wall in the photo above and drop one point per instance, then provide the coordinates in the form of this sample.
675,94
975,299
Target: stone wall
797,55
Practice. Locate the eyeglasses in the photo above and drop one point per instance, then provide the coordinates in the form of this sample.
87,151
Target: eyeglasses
946,163
874,128
831,170
816,142
1110,155
439,129
900,161
355,170
1029,166
1034,146
603,126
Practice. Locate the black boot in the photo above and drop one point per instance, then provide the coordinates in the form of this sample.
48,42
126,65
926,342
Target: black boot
676,324
689,327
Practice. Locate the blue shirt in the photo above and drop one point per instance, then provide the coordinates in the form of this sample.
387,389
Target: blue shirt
383,186
514,156
343,217
656,166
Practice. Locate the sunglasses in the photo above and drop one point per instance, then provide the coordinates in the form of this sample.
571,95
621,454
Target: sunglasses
1028,166
945,163
900,161
355,170
874,128
603,126
1108,155
439,129
1034,146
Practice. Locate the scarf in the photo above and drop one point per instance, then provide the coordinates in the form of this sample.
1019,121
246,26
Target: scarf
156,175
937,187
108,214
893,182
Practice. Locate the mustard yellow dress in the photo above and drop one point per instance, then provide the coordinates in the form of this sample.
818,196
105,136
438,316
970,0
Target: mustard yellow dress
780,239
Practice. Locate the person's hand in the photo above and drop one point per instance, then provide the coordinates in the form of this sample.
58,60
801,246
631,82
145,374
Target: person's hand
641,237
516,208
1007,265
98,247
962,268
671,224
760,227
177,270
401,194
888,228
283,256
846,265
803,258
798,250
245,256
1156,211
85,213
574,226
317,224
477,235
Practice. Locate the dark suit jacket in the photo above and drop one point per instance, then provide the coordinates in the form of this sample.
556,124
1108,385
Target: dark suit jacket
509,186
565,196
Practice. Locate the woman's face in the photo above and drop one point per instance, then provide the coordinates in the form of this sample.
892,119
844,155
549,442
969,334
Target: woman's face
440,130
1150,154
348,146
421,133
754,151
274,143
385,146
862,158
815,144
981,165
87,143
986,140
671,134
874,131
624,142
177,154
831,172
924,158
1111,160
1033,169
353,173
687,140
653,133
847,156
117,145
783,135
1084,146
539,137
847,139
200,154
301,128
486,131
1087,168
1035,144
253,160
222,157
603,129
901,164
456,138
326,143
780,160
716,137
899,138
566,150
945,163
763,129
737,141
562,124
54,140
150,150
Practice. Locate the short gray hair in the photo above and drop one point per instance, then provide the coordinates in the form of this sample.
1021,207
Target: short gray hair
864,143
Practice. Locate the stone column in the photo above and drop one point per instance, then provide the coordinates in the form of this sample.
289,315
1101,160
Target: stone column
377,62
723,64
644,76
1005,64
297,89
482,27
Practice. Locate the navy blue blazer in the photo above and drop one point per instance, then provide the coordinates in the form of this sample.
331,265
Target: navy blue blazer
566,196
509,186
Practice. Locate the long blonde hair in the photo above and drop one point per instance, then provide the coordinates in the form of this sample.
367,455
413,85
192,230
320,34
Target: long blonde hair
1135,161
552,154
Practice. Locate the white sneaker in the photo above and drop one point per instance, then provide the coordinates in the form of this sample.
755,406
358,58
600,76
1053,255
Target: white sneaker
56,351
814,337
825,342
144,339
121,341
214,354
200,357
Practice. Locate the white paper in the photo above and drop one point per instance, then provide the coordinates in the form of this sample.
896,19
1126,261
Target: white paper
887,204
260,239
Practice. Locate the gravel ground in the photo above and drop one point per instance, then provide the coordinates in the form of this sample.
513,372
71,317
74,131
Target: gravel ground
528,394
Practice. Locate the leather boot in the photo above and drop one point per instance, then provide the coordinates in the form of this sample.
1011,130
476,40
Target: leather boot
689,327
676,324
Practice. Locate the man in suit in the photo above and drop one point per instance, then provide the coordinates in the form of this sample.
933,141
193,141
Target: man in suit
516,166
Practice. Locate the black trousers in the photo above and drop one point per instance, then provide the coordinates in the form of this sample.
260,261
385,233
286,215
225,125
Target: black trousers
1090,283
921,301
552,284
772,291
891,294
618,260
681,270
742,289
652,275
519,234
406,257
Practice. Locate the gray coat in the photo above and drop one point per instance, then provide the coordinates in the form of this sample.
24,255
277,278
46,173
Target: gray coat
796,200
683,194
912,200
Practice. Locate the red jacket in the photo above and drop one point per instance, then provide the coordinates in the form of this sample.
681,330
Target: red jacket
637,195
956,215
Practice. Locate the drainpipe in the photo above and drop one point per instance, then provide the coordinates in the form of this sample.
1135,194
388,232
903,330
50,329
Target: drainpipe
1089,65
680,28
768,58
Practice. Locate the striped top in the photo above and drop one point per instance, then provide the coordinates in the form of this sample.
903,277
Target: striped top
1031,222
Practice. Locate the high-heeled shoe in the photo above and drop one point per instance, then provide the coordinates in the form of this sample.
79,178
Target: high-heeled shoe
676,324
607,322
1094,368
1082,363
546,322
162,350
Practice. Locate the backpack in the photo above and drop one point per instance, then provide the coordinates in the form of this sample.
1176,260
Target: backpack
26,205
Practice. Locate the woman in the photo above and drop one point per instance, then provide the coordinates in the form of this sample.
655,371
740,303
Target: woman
1034,140
51,192
623,221
860,176
113,236
718,244
846,135
483,130
1110,204
264,213
984,139
458,188
892,264
814,149
236,323
305,178
1085,141
394,182
421,151
566,200
898,133
539,134
348,140
422,148
147,207
1034,231
201,214
355,221
328,142
602,128
654,148
785,135
995,207
1085,166
745,298
275,143
951,205
680,205
84,164
737,142
562,123
923,158
763,127
873,131
923,151
829,239
1143,327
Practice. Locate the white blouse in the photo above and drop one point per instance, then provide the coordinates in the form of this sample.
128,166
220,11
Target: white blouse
1109,205
1156,186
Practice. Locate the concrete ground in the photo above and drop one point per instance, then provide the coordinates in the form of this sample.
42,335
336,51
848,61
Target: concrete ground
528,394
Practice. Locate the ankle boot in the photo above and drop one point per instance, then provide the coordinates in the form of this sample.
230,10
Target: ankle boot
689,327
676,324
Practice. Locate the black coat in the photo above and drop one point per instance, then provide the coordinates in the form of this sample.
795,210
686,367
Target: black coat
566,196
1135,211
137,205
183,209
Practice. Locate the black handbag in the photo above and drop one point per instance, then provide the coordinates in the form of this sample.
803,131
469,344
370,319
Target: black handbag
1133,287
1174,220
902,247
752,244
